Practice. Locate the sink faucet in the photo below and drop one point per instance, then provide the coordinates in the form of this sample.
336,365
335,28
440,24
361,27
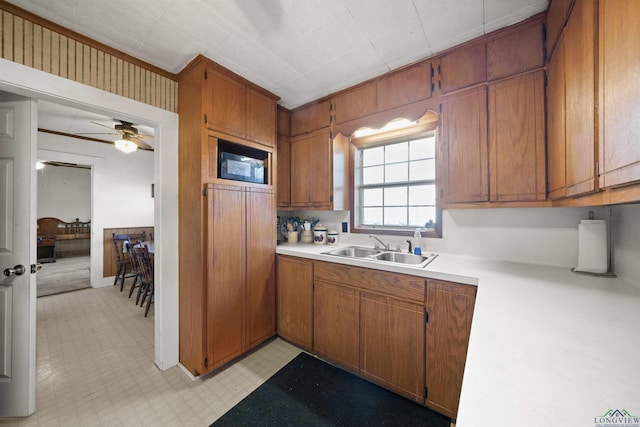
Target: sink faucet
384,245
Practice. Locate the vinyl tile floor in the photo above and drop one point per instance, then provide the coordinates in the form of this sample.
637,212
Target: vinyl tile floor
95,367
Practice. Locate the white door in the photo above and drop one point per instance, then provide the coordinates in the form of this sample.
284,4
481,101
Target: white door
18,133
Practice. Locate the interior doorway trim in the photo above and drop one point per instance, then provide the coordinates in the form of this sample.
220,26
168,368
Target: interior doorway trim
32,83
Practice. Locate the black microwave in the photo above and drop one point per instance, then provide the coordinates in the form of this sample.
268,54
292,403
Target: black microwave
240,163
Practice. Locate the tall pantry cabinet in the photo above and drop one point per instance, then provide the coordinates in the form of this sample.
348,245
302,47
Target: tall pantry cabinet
227,231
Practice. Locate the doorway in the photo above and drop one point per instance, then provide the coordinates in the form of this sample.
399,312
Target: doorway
63,200
29,82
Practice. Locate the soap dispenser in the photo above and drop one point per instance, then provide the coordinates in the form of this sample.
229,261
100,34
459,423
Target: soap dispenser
417,239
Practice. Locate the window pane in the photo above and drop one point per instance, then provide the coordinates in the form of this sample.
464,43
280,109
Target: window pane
373,156
422,170
419,216
372,197
395,216
395,196
423,148
422,195
372,216
396,173
397,153
373,175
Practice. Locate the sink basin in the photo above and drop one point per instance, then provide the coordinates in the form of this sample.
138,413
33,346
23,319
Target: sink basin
354,252
392,257
400,257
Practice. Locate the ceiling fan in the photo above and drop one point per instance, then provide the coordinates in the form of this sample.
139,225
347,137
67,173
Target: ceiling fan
130,139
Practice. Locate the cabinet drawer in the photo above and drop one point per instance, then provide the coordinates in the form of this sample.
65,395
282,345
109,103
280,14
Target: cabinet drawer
392,284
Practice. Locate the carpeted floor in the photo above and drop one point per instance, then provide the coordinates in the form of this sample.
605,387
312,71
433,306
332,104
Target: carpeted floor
64,275
309,392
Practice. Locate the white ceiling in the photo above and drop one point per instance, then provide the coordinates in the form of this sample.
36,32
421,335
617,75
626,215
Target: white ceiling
300,50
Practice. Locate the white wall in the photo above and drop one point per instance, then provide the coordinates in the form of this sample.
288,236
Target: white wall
546,236
121,182
64,193
625,225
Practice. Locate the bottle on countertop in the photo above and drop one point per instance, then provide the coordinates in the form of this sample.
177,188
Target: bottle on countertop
417,241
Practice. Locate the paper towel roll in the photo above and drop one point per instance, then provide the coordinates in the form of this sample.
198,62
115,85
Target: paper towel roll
592,246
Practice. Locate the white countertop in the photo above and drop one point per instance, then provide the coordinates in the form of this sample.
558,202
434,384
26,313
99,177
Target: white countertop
548,347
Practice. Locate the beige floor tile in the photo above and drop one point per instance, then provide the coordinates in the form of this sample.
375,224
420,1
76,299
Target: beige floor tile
95,367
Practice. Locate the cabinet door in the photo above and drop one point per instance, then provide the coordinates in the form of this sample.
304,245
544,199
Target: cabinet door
464,148
463,67
261,119
355,103
392,344
404,87
260,265
335,323
225,264
225,104
580,99
556,15
312,170
450,308
311,117
515,52
516,139
284,172
556,123
620,91
294,304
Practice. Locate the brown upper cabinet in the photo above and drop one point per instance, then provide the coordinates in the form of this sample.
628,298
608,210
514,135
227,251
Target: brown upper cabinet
556,16
515,52
389,92
236,108
463,67
619,92
284,159
517,161
310,117
556,129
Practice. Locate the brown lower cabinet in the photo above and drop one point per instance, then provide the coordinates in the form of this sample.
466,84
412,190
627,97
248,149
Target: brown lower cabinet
408,334
294,300
450,310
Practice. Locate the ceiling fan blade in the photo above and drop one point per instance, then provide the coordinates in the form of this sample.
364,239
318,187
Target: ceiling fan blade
104,126
141,144
143,136
96,133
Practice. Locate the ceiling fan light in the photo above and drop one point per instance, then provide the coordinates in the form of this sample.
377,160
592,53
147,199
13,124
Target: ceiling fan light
126,146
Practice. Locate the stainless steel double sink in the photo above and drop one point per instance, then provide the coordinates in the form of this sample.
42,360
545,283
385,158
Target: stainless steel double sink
392,257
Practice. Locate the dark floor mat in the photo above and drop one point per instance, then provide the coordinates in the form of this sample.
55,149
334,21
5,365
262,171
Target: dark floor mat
310,392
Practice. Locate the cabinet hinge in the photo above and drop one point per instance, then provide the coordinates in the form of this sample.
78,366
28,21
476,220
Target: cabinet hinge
439,69
441,193
597,169
426,392
205,119
426,316
206,362
440,105
433,86
433,73
206,76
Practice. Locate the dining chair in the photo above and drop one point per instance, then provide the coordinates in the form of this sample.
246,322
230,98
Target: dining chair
146,288
121,244
122,259
136,270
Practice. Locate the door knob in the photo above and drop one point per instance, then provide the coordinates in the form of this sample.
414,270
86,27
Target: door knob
18,270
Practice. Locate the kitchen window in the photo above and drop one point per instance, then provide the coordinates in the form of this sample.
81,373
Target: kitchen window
395,183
